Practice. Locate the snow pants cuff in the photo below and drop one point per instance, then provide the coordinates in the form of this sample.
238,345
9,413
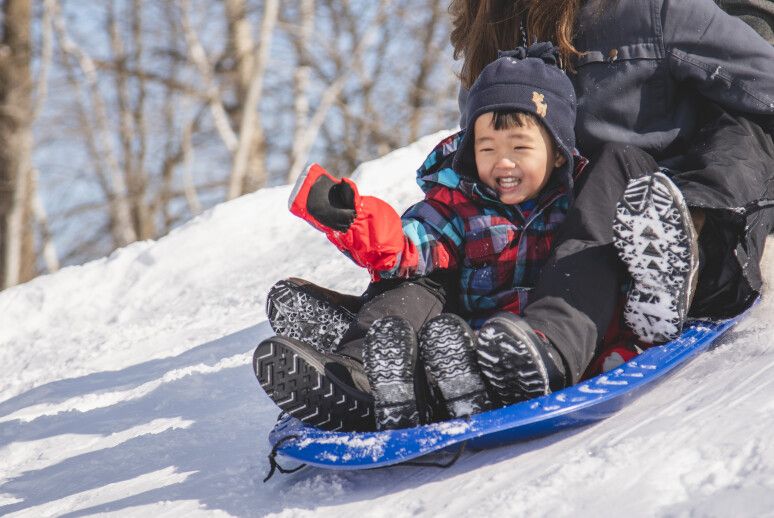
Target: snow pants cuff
416,300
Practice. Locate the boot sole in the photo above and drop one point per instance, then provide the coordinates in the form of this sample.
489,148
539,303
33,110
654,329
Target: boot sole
297,382
300,315
654,236
507,358
448,351
390,358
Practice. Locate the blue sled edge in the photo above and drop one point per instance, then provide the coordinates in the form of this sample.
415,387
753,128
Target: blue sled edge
587,402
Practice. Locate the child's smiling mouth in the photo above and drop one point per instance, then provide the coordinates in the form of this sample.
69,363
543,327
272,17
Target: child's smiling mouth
508,182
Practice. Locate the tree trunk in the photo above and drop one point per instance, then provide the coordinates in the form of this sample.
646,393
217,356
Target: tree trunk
302,75
249,169
97,136
17,250
419,93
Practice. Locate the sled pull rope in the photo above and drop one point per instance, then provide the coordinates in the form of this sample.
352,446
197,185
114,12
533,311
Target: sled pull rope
447,464
274,465
444,465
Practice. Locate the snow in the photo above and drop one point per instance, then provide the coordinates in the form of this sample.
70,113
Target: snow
128,391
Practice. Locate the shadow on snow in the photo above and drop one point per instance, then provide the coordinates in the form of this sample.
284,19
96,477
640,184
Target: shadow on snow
224,449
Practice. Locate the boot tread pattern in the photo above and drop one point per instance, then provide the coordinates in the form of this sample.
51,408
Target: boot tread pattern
298,314
513,371
447,347
388,359
306,394
653,235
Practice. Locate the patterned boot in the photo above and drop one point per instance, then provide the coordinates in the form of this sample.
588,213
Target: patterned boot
327,391
516,362
447,346
390,362
310,314
655,238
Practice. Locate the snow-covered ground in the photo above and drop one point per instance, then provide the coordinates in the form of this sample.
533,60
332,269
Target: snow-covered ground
127,390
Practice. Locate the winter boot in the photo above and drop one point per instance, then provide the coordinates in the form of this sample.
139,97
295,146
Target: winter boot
655,238
390,362
306,312
516,362
323,390
447,347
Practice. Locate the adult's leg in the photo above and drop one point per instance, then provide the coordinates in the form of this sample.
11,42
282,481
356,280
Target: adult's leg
728,169
575,298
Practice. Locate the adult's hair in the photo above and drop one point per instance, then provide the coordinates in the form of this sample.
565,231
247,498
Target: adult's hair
482,27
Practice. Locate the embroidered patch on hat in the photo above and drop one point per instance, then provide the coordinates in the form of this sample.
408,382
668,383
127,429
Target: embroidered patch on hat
540,105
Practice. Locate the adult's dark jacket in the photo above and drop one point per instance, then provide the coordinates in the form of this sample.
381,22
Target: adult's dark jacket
645,61
758,14
693,87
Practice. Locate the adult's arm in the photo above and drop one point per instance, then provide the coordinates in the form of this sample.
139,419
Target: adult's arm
726,60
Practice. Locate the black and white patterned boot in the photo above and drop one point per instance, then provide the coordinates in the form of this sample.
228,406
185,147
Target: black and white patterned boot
515,362
655,238
447,346
390,362
306,312
323,390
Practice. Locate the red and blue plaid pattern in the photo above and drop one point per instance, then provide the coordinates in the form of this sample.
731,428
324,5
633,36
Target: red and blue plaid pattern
461,225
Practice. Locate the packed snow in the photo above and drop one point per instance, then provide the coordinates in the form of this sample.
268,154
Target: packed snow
127,390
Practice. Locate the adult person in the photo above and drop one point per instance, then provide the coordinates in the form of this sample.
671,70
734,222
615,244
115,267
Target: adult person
681,86
675,84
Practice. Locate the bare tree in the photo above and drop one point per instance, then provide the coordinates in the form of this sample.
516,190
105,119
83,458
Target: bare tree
419,94
248,172
47,247
130,94
172,106
364,38
301,38
95,123
17,248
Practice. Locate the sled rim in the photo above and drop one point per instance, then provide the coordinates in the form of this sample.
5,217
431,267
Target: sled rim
650,366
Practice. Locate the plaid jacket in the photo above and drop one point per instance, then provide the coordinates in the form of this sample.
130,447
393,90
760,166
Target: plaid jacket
461,225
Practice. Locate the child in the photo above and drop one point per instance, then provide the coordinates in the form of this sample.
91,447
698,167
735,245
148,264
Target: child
494,199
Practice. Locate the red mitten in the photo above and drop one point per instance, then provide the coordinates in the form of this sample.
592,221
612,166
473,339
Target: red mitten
364,227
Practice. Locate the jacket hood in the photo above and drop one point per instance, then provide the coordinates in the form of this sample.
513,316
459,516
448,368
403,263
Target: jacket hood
438,170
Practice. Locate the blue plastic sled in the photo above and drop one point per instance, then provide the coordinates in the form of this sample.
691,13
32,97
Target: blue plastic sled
581,404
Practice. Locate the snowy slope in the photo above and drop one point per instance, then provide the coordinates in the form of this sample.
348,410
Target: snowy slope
128,390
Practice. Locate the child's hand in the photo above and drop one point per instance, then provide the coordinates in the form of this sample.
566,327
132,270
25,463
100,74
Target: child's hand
332,203
324,201
366,228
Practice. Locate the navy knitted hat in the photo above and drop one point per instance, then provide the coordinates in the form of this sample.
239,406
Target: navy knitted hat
524,80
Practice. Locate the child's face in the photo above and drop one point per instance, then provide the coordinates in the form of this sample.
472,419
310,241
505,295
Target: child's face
516,162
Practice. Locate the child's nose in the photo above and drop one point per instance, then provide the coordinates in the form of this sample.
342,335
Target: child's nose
506,163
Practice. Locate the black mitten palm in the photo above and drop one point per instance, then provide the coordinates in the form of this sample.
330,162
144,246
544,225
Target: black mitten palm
366,228
332,203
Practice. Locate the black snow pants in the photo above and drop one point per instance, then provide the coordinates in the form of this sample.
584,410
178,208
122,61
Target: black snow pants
417,300
730,167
